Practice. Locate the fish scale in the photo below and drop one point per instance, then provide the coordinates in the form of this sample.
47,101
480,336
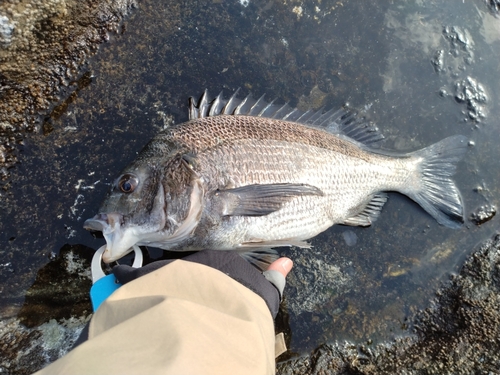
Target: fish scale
205,133
240,176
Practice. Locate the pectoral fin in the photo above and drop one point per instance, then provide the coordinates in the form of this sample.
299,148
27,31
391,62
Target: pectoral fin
276,243
260,200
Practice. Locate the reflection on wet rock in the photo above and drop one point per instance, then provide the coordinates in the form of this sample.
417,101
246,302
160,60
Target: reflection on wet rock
314,282
473,95
459,41
483,214
44,49
494,6
438,61
350,237
457,334
6,29
25,350
61,288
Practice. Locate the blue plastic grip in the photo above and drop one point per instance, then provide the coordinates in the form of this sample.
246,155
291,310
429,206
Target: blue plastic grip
102,289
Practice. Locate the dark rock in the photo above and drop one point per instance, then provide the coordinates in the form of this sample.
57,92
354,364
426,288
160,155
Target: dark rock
37,70
438,61
61,288
472,94
26,350
483,214
457,334
314,53
494,6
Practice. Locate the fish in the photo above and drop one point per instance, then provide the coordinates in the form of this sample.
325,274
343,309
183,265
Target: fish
249,175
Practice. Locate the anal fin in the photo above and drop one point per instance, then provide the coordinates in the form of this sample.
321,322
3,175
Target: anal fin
369,213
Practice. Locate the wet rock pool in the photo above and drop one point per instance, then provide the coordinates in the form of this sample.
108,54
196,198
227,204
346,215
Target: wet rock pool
421,71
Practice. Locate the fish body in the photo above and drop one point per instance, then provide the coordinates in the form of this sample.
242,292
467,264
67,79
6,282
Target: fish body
245,175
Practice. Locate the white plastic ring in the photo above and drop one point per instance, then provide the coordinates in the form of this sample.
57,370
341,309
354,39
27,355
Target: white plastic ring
96,269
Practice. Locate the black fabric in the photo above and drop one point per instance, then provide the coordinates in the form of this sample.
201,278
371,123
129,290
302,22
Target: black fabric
227,262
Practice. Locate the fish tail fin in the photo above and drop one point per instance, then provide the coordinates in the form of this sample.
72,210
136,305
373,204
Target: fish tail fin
438,194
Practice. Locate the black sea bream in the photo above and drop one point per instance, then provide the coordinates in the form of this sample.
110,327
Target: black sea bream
248,175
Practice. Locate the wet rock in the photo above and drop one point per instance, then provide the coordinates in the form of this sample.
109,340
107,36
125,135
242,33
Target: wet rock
471,93
55,310
61,288
319,284
494,6
6,29
483,214
37,70
25,350
438,61
350,237
457,334
458,38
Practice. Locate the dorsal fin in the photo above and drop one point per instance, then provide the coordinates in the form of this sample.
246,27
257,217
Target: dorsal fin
342,122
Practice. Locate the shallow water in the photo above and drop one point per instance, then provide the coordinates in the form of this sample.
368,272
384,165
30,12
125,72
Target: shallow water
421,71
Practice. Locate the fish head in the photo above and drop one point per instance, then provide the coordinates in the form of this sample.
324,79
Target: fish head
132,210
148,205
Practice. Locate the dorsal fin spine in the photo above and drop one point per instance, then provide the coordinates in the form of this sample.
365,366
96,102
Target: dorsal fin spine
215,107
303,118
295,110
231,104
240,106
257,104
314,116
266,108
203,105
341,122
281,112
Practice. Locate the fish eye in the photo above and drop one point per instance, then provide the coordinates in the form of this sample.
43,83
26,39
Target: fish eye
128,183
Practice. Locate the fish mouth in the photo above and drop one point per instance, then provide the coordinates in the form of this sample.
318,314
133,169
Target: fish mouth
119,241
100,222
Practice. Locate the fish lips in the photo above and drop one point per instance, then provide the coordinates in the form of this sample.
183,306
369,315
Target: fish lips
119,242
97,224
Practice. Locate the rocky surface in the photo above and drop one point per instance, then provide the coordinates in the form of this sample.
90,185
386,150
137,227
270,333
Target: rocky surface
44,46
421,71
54,312
459,333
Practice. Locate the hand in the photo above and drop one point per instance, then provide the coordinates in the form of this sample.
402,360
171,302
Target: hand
282,265
277,272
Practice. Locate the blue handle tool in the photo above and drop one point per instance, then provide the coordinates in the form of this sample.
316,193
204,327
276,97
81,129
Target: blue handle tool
104,285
